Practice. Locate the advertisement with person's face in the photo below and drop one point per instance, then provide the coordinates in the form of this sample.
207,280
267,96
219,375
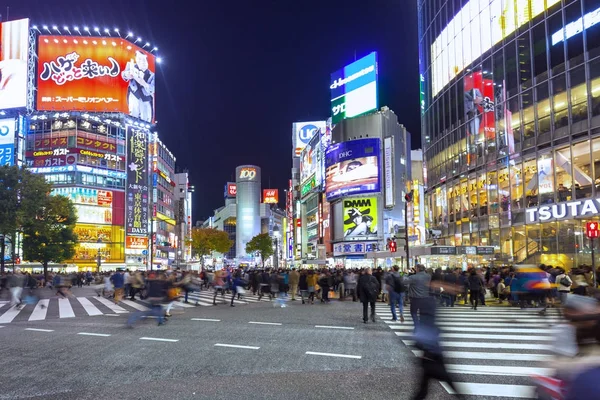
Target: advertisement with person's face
479,105
14,50
352,168
97,74
360,218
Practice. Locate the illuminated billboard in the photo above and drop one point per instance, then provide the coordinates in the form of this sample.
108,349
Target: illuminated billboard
230,190
7,142
474,30
308,163
95,74
360,218
302,132
352,168
270,196
479,105
136,192
14,50
354,89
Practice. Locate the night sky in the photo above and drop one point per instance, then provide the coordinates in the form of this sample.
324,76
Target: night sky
237,73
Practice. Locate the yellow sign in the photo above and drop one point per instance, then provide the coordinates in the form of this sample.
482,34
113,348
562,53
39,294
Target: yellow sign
360,218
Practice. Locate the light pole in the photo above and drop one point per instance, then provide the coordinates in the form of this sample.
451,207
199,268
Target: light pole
408,198
277,234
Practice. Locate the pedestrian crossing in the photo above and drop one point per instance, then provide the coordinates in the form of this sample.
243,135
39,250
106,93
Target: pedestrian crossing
491,352
72,307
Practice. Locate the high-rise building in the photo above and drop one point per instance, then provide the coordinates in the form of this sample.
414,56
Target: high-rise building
183,208
248,198
511,127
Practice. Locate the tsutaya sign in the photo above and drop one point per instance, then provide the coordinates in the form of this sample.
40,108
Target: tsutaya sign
569,209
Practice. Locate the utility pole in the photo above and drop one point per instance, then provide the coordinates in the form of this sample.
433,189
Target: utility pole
408,198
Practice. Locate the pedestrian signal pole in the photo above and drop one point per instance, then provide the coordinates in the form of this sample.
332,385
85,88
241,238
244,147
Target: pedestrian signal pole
592,231
408,198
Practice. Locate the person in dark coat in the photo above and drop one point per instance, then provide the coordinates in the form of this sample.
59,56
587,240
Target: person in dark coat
368,290
475,286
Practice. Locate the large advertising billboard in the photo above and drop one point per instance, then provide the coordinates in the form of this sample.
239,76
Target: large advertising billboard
136,193
354,89
479,106
474,30
96,74
271,196
14,50
352,168
7,142
360,218
302,132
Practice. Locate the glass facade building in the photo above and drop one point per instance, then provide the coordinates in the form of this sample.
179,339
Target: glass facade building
510,101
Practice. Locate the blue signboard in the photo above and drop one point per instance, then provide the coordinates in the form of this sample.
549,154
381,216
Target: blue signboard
354,89
352,168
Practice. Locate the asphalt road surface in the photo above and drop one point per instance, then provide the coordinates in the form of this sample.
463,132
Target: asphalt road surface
252,351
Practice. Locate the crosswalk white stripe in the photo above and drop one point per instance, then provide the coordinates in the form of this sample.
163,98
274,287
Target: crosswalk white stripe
476,355
497,390
220,298
40,310
135,305
64,309
88,306
462,324
499,369
469,320
10,314
494,345
477,315
475,329
484,336
114,307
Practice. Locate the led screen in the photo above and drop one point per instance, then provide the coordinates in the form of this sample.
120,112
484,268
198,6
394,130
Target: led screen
97,74
352,168
354,89
474,30
14,50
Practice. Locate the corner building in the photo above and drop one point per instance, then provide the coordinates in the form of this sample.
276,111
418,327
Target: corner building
510,101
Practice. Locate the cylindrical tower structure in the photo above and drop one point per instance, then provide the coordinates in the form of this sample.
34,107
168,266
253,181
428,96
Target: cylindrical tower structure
247,179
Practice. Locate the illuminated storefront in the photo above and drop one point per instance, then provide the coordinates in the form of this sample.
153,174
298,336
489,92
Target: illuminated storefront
503,143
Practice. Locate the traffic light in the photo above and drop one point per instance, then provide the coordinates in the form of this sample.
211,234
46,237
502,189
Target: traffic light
409,196
393,246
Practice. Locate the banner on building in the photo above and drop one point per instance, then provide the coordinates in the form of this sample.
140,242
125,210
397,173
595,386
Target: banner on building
360,218
7,142
137,182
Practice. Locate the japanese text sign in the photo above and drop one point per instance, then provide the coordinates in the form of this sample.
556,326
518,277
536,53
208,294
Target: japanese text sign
97,74
136,193
591,230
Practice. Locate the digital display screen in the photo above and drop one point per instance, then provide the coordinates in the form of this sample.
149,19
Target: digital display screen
14,51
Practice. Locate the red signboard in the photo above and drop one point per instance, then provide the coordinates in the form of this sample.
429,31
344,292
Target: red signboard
270,196
105,198
231,189
97,74
136,242
479,105
591,230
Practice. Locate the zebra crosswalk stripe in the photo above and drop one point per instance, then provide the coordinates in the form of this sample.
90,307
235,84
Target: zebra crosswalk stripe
65,309
88,306
40,310
508,343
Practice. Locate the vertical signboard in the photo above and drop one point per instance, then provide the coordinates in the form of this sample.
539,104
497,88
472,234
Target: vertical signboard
7,142
388,160
302,132
137,182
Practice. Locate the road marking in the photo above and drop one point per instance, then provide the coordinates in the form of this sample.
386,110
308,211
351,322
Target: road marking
182,305
334,327
496,370
135,305
39,330
492,356
494,345
237,346
10,314
94,334
64,308
112,315
476,329
314,353
206,319
462,324
496,390
483,336
40,310
159,339
265,323
88,306
110,304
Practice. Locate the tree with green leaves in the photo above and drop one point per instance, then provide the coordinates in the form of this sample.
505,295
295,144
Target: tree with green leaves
261,244
21,193
49,236
206,240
